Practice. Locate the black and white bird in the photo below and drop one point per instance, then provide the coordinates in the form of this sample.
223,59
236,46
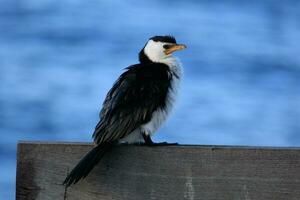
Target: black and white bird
137,104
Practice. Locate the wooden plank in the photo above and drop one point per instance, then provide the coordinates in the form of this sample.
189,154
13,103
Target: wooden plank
173,172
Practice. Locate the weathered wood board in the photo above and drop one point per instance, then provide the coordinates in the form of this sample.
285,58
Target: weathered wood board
169,172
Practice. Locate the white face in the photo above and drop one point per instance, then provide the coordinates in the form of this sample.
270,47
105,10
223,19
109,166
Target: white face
155,51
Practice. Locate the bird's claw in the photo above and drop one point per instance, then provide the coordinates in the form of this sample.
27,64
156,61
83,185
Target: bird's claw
161,144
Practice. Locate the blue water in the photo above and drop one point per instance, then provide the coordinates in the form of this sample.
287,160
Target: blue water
59,58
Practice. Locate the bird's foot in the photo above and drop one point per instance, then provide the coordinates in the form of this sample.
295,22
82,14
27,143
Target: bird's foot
161,144
149,142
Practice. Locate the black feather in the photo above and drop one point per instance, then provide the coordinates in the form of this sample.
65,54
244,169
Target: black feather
86,164
130,103
166,38
143,58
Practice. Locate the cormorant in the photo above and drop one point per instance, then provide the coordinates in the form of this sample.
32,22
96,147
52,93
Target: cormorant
137,104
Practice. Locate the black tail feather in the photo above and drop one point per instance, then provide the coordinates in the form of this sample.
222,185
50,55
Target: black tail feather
86,164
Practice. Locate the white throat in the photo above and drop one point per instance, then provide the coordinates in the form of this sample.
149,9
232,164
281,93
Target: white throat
155,51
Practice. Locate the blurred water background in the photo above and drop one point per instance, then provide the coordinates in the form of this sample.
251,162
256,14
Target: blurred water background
59,58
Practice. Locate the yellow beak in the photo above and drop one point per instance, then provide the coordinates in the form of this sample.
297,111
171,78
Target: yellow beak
175,47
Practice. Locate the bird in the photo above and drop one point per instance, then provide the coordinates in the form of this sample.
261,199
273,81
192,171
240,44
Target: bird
137,104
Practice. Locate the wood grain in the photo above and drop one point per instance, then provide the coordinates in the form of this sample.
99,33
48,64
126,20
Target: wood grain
173,172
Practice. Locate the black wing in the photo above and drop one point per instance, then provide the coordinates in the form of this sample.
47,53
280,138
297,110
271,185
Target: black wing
131,101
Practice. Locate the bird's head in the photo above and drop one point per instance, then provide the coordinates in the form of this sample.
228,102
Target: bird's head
159,48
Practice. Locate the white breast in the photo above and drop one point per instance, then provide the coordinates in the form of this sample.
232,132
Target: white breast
159,116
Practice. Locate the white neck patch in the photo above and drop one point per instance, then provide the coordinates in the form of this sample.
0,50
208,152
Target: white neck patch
155,51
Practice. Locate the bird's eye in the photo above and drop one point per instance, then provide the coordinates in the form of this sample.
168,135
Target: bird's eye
167,46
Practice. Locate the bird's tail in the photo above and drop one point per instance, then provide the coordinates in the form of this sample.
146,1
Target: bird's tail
86,164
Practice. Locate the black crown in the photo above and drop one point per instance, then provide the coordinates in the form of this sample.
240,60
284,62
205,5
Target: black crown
166,38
